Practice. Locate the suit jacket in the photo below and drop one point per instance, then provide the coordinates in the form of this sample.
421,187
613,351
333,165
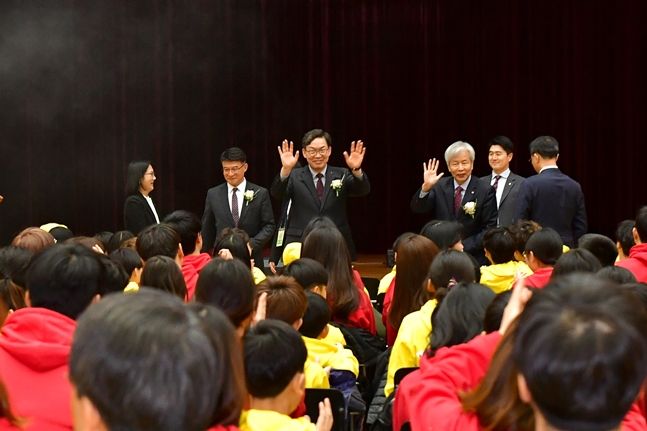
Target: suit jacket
553,199
299,186
137,214
440,202
508,204
256,218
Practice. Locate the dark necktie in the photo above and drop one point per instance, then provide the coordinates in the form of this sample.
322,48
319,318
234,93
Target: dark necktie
234,206
457,199
320,187
496,182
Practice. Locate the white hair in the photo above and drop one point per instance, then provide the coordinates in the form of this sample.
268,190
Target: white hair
455,148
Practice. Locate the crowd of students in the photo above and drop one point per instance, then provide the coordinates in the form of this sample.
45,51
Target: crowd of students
149,333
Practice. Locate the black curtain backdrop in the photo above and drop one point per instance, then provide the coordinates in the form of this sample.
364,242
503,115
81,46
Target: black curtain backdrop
87,86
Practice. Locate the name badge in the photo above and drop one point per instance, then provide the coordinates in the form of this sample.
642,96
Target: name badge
279,237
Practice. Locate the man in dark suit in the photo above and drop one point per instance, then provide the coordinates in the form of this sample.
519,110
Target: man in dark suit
463,197
552,198
319,189
238,203
505,183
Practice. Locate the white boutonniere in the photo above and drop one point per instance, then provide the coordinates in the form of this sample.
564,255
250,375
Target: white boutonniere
470,208
336,185
249,196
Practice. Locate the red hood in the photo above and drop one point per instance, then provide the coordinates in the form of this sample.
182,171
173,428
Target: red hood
196,261
38,338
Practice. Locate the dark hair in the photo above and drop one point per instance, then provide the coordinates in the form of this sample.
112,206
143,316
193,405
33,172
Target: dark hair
307,272
414,255
326,245
158,240
116,278
286,300
65,278
316,317
236,241
502,141
617,274
228,285
33,239
104,238
546,245
521,230
581,351
61,233
233,154
459,316
117,239
274,354
443,233
641,223
638,290
498,241
546,146
136,171
576,260
14,262
315,223
601,246
624,235
149,362
127,258
448,265
187,225
12,296
494,311
86,241
163,273
313,134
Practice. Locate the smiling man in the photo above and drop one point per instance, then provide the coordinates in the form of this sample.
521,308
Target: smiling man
238,203
319,189
505,183
464,198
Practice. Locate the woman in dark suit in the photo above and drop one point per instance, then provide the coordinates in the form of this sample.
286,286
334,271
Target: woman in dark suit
139,210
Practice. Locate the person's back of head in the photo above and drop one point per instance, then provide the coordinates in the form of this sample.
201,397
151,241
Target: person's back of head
33,239
158,240
307,272
601,246
65,278
162,272
638,290
228,285
89,242
445,234
61,233
450,265
316,317
616,274
521,231
14,262
275,356
545,245
640,226
316,223
459,315
117,239
546,146
188,226
625,237
128,259
104,238
286,300
581,353
499,245
494,311
149,362
237,242
576,260
116,278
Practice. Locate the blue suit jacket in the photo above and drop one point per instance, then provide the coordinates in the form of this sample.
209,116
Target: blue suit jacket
553,199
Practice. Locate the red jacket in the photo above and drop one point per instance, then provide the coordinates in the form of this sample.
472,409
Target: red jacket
363,316
34,349
391,332
540,278
191,267
636,262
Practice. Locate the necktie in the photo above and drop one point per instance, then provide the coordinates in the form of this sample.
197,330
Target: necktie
234,206
496,182
320,187
457,200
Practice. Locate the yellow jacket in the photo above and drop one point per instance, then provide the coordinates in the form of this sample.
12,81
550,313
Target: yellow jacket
258,274
334,336
331,355
411,342
268,420
385,282
500,277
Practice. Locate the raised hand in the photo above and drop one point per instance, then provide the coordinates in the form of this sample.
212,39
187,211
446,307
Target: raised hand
430,177
325,419
356,157
288,157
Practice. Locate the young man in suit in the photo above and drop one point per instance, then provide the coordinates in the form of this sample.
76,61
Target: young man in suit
238,203
505,183
319,189
552,198
464,198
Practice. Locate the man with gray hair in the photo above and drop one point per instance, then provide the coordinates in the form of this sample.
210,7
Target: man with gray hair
464,198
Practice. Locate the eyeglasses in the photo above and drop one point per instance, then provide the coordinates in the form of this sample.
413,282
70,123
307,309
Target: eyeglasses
314,151
232,170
